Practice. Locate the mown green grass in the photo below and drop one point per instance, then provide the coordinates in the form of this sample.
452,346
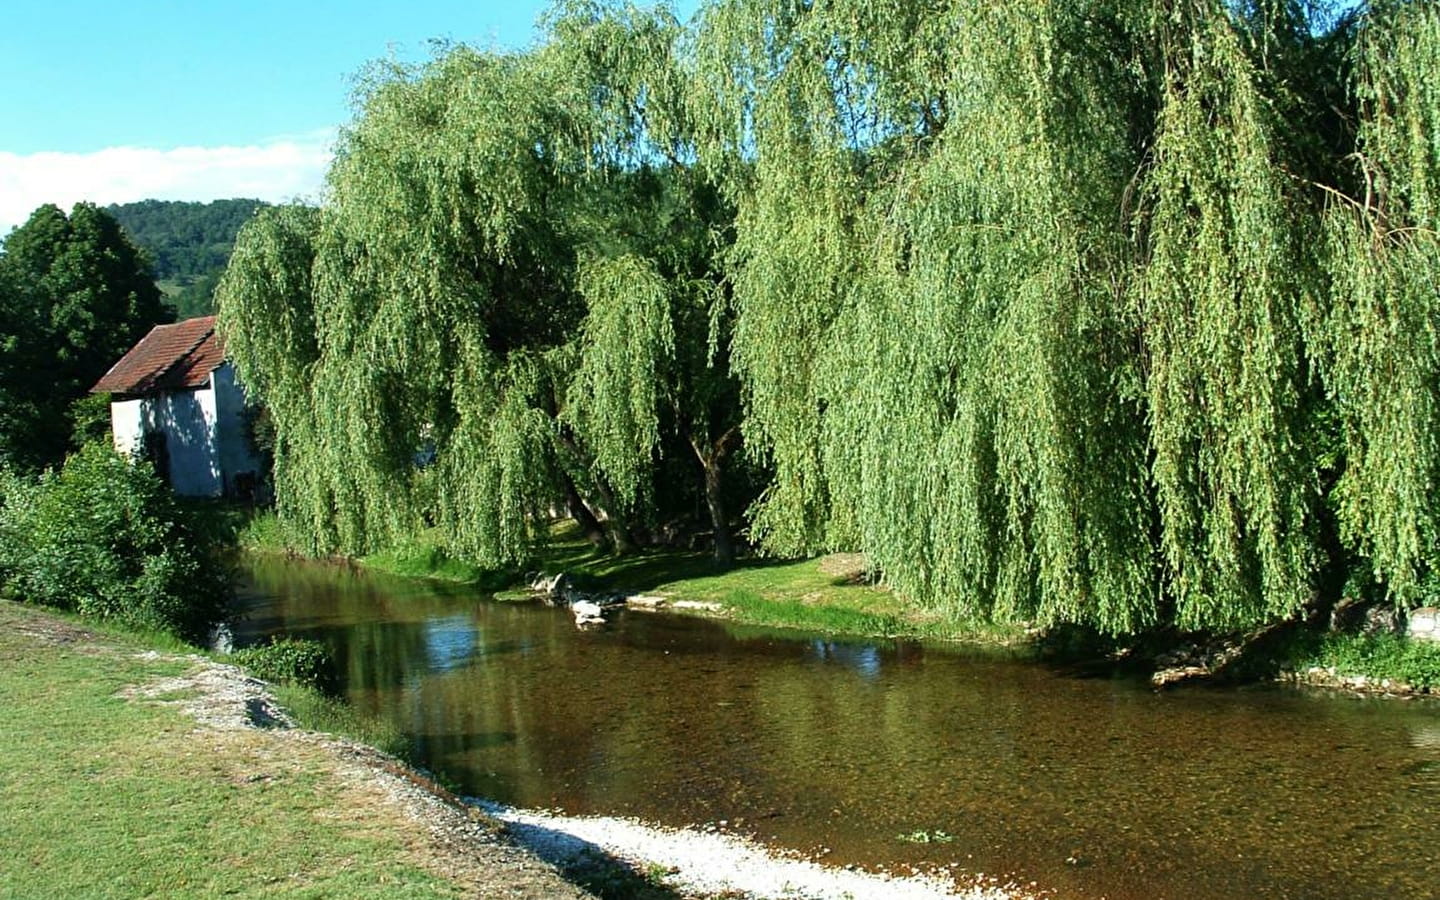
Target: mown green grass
106,797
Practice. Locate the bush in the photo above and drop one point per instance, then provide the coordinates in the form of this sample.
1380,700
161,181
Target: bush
263,532
290,661
1417,663
105,538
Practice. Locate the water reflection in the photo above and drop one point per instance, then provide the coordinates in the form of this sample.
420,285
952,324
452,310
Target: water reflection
1092,787
450,642
864,659
1426,735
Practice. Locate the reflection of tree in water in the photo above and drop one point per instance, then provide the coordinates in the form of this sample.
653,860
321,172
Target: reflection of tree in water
861,658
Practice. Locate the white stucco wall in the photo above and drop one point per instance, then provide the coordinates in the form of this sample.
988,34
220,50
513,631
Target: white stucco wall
236,460
187,419
204,433
127,424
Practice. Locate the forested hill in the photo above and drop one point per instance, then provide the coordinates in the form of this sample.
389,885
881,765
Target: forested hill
188,242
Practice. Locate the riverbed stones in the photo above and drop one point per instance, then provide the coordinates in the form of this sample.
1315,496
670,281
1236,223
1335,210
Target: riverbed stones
698,606
556,590
587,612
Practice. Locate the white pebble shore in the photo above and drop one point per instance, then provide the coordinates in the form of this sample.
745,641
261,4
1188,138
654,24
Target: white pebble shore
701,862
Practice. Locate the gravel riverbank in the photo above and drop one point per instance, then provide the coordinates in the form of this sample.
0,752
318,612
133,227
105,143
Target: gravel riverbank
699,863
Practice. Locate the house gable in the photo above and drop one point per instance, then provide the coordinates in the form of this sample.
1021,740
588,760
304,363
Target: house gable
175,400
169,358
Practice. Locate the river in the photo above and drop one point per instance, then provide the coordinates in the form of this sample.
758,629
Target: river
884,754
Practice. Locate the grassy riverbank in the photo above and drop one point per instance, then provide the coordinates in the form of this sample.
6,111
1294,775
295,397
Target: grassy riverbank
105,791
831,594
1381,662
834,595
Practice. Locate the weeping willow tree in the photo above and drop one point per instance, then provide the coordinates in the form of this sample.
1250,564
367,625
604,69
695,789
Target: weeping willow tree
488,288
929,330
654,379
269,322
1016,253
1383,254
435,299
1027,301
1221,297
1023,295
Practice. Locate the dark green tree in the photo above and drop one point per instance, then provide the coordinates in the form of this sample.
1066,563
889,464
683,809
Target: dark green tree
77,295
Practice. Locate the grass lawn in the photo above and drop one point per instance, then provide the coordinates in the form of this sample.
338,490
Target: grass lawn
101,796
828,594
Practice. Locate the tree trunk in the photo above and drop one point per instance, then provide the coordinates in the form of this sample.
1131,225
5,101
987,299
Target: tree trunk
712,461
594,531
620,534
613,530
724,546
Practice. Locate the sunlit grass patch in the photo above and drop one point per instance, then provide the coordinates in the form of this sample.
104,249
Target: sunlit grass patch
104,796
831,594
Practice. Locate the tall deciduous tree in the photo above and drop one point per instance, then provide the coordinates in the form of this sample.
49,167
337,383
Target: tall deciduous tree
1029,301
1023,295
78,296
1382,322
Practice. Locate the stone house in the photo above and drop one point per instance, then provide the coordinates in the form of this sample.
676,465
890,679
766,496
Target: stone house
175,401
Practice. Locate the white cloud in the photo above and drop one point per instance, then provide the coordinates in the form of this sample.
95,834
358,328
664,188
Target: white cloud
276,170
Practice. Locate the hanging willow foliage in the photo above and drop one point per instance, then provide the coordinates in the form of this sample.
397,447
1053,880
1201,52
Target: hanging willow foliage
1383,254
452,318
929,329
427,295
627,346
1030,333
799,250
1025,300
266,312
1007,353
1220,299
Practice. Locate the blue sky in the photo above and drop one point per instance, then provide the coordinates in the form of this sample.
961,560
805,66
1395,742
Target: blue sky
118,101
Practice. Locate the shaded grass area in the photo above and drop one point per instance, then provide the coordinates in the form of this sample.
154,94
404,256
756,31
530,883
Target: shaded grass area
260,531
100,796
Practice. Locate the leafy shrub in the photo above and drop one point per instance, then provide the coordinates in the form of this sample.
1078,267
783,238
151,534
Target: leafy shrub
290,661
1416,663
264,532
105,538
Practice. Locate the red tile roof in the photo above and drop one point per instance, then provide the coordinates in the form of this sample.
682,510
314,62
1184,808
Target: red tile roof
170,357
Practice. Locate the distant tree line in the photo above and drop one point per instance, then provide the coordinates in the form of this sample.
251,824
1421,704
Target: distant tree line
188,243
1112,312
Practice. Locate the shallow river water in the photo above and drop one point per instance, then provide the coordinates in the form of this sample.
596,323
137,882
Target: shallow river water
856,752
